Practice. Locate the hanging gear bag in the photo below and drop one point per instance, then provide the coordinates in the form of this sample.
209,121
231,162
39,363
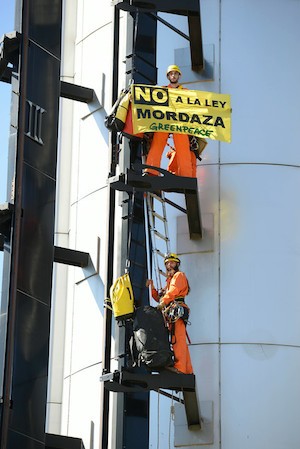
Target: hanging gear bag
152,338
121,296
116,119
120,116
197,146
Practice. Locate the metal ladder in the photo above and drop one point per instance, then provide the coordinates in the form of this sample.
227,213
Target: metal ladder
158,227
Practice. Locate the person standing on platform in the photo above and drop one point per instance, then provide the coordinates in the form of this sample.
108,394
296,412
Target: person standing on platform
185,159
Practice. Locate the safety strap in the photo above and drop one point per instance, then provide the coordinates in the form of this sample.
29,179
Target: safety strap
187,336
180,299
131,351
172,334
194,147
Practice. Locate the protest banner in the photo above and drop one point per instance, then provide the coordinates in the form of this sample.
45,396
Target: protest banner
183,111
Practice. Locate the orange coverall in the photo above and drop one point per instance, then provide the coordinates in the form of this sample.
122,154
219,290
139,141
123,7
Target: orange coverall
177,287
173,164
184,156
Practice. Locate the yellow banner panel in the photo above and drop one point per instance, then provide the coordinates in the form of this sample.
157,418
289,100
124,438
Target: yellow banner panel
182,111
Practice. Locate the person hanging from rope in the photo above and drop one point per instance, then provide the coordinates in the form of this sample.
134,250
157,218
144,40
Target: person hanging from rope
172,304
185,158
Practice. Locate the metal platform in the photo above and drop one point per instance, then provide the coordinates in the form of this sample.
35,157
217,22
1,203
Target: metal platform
9,53
129,381
53,441
134,180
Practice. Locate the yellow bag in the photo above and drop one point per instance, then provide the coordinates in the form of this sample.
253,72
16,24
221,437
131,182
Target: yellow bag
122,111
116,119
121,296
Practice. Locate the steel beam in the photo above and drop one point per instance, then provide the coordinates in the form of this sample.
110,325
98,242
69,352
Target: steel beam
170,6
188,8
9,52
193,213
2,242
75,92
71,257
62,442
6,212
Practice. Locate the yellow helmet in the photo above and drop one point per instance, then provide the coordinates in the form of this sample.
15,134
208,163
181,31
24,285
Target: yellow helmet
172,257
173,68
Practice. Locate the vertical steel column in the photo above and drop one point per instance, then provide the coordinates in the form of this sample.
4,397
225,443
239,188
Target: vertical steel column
141,68
29,253
107,319
15,240
135,405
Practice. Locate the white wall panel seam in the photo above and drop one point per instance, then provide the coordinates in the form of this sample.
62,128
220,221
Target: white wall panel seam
275,164
219,240
238,343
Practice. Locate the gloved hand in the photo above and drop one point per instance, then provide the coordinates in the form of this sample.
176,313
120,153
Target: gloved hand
149,282
161,292
161,305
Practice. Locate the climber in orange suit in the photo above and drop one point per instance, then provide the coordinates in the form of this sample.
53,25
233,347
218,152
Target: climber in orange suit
185,159
176,289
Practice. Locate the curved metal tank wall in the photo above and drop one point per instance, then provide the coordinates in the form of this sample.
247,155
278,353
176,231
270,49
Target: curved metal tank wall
74,390
244,275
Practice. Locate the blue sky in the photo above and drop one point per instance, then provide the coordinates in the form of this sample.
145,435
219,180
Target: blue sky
6,25
7,8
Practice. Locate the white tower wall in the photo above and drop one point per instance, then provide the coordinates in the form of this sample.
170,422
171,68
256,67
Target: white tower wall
244,274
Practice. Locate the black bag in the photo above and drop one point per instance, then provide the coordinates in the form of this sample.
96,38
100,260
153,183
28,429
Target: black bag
152,338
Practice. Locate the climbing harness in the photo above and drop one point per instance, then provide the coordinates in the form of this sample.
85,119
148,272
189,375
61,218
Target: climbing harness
175,311
197,146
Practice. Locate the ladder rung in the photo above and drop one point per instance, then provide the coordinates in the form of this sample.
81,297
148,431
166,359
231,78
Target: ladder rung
159,253
161,236
162,224
157,197
162,273
155,214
